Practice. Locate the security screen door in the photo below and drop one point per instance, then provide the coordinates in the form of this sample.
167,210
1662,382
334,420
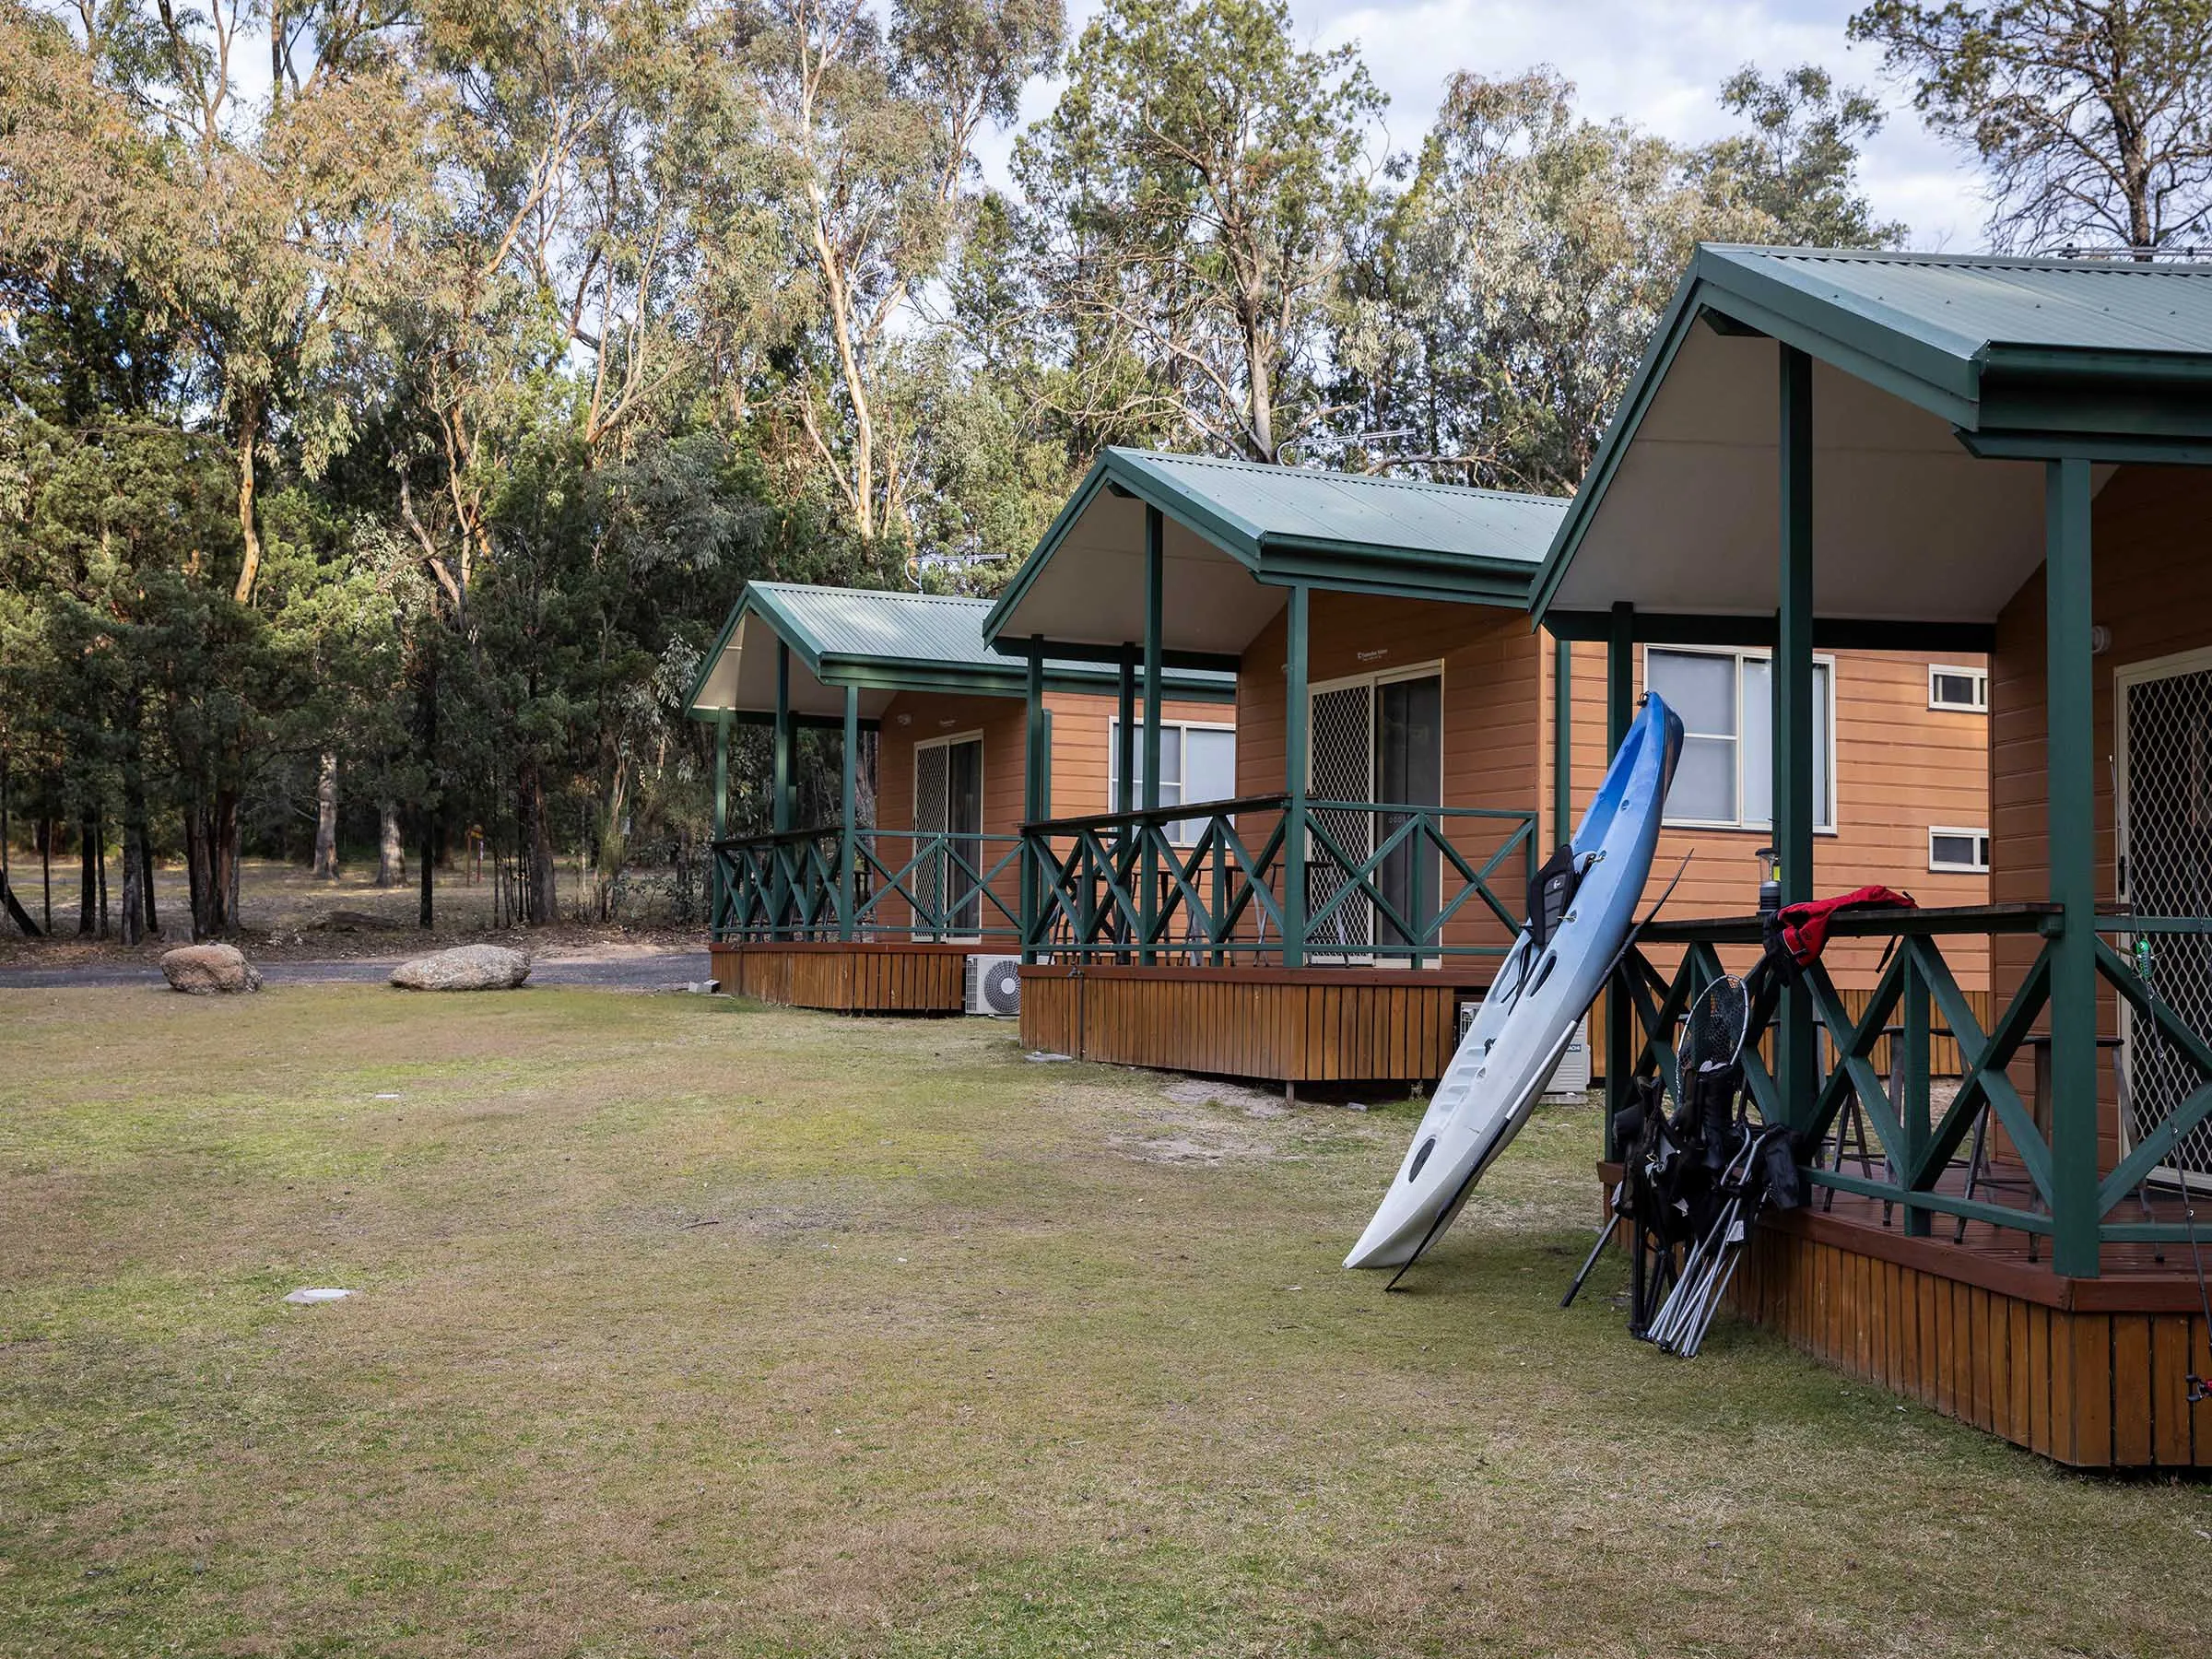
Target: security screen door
2162,717
948,802
1376,739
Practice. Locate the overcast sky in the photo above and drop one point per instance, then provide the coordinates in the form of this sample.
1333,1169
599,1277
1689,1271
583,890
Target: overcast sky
1659,63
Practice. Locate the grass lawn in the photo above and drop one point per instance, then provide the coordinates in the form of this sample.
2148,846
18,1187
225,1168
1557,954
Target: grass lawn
690,1328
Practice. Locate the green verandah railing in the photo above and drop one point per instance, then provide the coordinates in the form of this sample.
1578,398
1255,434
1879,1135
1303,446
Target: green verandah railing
1915,990
1206,882
911,885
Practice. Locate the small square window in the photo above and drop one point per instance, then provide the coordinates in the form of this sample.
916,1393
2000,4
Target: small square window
1965,851
1963,689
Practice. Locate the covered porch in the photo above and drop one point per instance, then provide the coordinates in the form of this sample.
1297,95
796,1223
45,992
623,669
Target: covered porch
861,915
1973,455
1322,915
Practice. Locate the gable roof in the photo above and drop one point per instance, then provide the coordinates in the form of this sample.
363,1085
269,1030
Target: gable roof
885,641
1997,358
1341,531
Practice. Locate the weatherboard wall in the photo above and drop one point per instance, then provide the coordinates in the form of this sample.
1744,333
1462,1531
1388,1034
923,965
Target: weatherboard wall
1081,779
1488,660
2152,591
1901,769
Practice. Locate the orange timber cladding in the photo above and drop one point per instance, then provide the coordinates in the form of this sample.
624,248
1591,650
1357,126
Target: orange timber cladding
1901,769
890,975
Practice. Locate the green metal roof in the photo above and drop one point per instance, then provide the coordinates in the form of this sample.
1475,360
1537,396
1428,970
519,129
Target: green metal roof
1342,532
888,640
2026,358
1252,506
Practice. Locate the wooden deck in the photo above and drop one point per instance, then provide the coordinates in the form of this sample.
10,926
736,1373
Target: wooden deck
896,978
1309,1025
2090,1373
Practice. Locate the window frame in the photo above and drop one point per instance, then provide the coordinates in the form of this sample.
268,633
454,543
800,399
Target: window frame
1980,676
1740,655
1176,833
1981,839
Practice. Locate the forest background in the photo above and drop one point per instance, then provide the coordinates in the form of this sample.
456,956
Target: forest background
395,395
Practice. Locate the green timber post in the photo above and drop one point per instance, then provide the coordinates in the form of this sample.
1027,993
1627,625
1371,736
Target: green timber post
1035,759
1795,1054
2075,1220
1124,760
1620,710
1912,1064
848,841
715,881
779,799
1155,584
1296,715
1563,742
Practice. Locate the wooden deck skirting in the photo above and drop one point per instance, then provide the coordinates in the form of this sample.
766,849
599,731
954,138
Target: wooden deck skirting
2090,1373
1310,1025
848,979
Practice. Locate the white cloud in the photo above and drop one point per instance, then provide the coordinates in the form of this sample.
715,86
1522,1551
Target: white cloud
1659,63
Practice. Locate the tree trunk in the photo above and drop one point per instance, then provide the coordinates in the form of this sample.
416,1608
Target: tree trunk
134,878
87,877
391,852
425,911
540,907
137,858
326,819
46,873
145,881
211,861
249,530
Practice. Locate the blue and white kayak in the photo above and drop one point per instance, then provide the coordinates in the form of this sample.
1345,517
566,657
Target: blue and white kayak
1530,1013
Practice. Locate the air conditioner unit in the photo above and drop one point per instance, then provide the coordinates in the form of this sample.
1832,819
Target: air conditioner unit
995,986
1572,1077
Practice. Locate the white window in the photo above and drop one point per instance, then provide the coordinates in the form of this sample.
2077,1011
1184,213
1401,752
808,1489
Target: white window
1963,850
1965,690
1196,763
1725,778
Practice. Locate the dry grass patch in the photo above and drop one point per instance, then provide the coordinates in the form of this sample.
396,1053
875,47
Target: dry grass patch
689,1328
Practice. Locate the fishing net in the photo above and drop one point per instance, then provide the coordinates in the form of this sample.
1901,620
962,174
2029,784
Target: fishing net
1713,1033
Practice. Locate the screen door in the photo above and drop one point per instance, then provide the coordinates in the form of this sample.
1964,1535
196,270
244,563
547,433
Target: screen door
2163,719
949,826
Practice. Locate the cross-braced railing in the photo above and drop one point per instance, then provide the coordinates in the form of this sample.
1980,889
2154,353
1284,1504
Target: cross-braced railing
1210,883
793,887
1915,998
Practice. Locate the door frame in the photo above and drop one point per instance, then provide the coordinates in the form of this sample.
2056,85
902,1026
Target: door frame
1371,683
950,740
2124,675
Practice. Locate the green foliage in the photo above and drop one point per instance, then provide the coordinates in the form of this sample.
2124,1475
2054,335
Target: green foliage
1798,163
1188,203
2094,117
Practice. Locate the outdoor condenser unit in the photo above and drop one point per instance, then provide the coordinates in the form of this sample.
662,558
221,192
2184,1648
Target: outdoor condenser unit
1573,1075
995,986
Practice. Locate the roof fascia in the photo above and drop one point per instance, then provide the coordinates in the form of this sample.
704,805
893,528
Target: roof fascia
1126,470
1830,633
1716,281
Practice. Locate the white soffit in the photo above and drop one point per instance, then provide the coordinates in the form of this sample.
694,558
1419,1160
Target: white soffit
745,679
1092,590
1906,525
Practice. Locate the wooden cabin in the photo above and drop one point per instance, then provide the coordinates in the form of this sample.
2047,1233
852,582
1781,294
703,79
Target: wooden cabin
880,911
1971,458
1394,700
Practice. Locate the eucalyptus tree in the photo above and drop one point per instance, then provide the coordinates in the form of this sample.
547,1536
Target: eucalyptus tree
2094,117
1501,307
867,129
1189,201
1796,159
